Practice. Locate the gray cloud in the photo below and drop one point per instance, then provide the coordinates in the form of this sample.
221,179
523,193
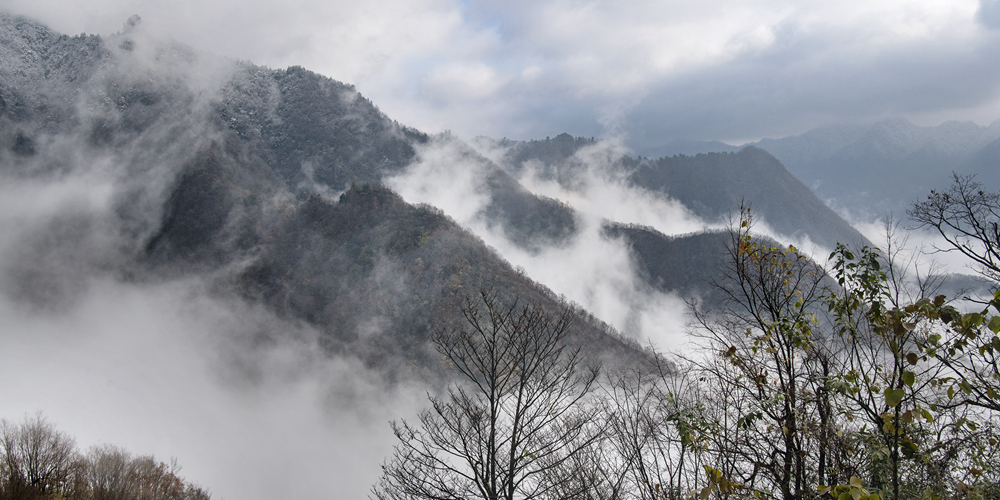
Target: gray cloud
654,70
786,89
989,13
251,405
151,368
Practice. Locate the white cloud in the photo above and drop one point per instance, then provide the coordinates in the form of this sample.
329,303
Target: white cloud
461,81
720,69
151,368
589,270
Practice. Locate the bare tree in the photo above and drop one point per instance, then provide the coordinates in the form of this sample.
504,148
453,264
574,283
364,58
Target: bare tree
657,430
968,218
112,473
37,459
39,462
515,426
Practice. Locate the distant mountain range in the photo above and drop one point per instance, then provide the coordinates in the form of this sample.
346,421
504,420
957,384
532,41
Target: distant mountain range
867,171
888,166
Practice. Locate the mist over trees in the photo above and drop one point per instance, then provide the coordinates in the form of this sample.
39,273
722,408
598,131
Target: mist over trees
807,382
517,422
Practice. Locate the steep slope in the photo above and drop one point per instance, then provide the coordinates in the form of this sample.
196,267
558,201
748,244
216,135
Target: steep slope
314,130
231,172
379,275
321,136
688,265
713,185
695,266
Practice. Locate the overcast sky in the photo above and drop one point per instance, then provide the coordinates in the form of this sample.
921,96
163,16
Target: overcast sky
642,70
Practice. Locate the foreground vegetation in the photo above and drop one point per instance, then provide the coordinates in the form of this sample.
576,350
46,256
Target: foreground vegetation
39,462
855,381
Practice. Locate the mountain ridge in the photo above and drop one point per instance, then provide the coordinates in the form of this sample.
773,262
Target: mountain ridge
870,170
266,182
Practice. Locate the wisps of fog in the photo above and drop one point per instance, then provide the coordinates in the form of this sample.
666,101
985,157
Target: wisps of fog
920,253
590,269
247,404
250,405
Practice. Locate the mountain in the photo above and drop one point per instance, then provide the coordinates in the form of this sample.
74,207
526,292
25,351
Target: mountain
270,183
885,167
713,186
379,275
264,182
552,158
983,165
689,265
687,147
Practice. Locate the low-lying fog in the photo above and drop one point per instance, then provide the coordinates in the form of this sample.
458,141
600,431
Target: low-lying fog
245,403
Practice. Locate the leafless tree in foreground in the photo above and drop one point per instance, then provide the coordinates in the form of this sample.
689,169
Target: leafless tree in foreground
968,218
517,423
38,462
37,459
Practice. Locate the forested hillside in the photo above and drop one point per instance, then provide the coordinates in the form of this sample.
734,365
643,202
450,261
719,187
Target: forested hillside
690,264
233,171
713,185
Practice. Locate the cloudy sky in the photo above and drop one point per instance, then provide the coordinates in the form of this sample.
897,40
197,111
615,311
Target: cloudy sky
642,71
645,71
